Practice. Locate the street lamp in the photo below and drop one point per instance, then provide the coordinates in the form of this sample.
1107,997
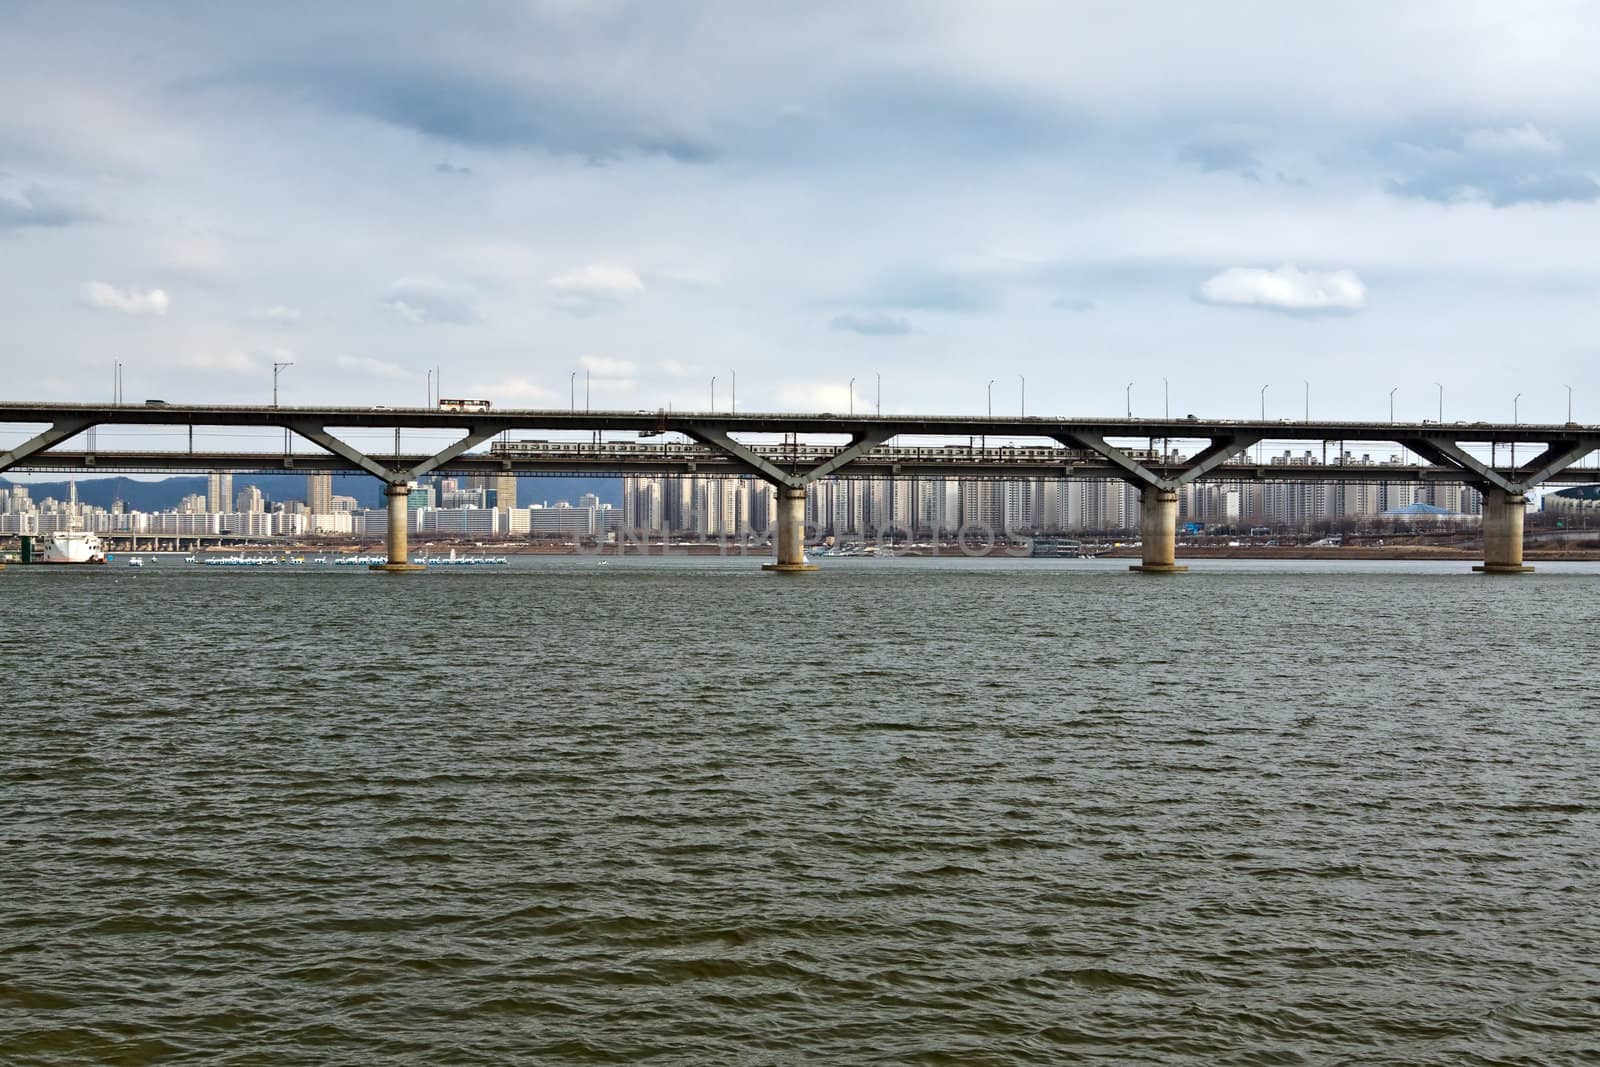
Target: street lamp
1569,403
1127,396
1441,401
1308,398
713,392
1166,400
878,400
1393,391
1516,419
733,393
852,396
1264,389
586,388
991,398
572,392
277,368
1022,407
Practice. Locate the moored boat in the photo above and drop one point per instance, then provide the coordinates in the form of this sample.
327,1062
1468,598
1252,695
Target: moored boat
75,546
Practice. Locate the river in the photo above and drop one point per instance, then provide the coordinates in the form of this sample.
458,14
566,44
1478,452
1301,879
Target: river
953,811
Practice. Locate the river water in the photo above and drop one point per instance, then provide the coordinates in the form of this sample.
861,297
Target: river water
680,811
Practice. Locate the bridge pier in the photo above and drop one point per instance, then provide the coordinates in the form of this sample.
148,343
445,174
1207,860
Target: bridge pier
399,525
1158,531
1503,513
790,541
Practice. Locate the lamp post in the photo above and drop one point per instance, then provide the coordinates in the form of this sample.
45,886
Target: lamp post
586,388
277,368
1127,398
1441,401
430,387
713,392
1264,389
1516,420
1308,398
877,401
991,398
1393,391
572,391
1569,403
1166,399
852,396
733,392
1022,405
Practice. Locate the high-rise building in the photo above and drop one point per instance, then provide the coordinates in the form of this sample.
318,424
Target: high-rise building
319,493
219,491
250,501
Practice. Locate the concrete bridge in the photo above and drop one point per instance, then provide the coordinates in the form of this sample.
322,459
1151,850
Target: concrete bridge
1157,456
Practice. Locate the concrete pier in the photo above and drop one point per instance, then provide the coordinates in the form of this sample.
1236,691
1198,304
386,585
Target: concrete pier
1158,531
790,541
1502,532
399,524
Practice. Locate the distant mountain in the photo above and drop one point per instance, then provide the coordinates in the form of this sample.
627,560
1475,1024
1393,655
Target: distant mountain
165,494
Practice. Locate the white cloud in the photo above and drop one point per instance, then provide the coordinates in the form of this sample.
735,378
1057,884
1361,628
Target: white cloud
230,362
514,392
277,315
676,368
375,368
128,301
429,300
815,396
1287,288
595,288
1526,139
611,368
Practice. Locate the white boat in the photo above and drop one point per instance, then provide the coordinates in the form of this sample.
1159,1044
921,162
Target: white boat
75,546
135,561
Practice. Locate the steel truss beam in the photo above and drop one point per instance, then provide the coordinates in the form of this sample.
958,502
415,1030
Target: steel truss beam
319,435
58,432
860,444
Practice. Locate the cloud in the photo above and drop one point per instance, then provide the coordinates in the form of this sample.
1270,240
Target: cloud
936,291
815,396
479,108
1287,289
374,368
1227,149
234,361
514,391
1072,303
595,288
1498,166
128,301
35,206
451,168
871,323
429,300
678,369
276,315
613,368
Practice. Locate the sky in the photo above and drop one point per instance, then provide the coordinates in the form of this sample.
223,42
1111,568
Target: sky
1093,206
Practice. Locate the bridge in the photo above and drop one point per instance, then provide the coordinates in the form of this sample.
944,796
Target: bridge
785,450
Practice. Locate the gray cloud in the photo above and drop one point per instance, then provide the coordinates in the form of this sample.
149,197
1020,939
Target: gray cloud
936,291
35,206
477,109
429,300
1501,167
1227,150
871,323
451,168
1072,303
